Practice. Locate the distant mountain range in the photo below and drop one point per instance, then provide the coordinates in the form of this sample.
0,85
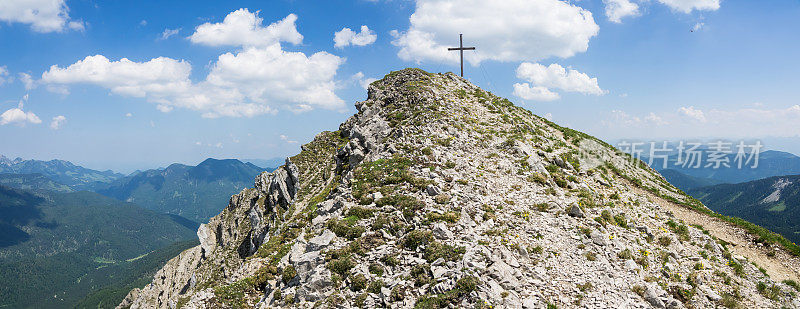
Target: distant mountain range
33,182
771,163
764,195
76,237
64,172
773,202
194,192
55,248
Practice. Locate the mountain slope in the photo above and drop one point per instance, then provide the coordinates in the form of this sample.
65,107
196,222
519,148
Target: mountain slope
57,247
686,182
32,182
438,194
77,177
194,192
772,202
770,163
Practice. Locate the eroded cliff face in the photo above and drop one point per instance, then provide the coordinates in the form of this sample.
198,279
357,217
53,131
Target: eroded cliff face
438,194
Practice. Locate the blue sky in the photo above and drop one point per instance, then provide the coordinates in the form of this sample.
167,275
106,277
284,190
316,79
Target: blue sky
255,79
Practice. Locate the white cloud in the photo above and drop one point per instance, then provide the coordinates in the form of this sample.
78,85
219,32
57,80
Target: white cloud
57,122
544,78
618,9
168,33
262,75
346,37
287,140
243,28
43,15
27,80
652,118
248,83
692,113
535,93
59,89
691,122
621,119
158,77
363,81
509,30
4,75
18,116
687,6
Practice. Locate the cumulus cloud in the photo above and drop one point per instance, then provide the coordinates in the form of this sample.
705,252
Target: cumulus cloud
18,115
42,15
534,93
346,37
244,28
57,122
618,9
692,113
544,78
687,6
266,74
362,80
158,77
169,32
247,83
509,30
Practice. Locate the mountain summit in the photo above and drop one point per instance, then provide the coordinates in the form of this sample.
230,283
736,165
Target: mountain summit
194,192
439,194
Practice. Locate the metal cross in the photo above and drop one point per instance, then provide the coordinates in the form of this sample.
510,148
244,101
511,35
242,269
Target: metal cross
461,50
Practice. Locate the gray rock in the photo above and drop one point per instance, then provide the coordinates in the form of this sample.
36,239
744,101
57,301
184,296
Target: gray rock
598,238
441,231
321,241
503,273
651,296
306,262
558,161
576,211
529,303
710,293
631,265
433,190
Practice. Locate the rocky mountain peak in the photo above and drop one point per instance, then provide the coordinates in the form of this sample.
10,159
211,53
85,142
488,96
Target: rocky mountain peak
440,194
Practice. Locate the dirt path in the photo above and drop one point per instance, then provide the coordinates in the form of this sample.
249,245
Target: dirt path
780,267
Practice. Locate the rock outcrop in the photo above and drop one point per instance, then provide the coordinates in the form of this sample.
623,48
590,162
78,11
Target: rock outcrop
439,194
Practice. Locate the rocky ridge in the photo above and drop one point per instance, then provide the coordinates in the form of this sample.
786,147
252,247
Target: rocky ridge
439,194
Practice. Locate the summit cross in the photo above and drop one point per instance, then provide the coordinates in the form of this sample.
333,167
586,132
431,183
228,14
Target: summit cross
461,50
